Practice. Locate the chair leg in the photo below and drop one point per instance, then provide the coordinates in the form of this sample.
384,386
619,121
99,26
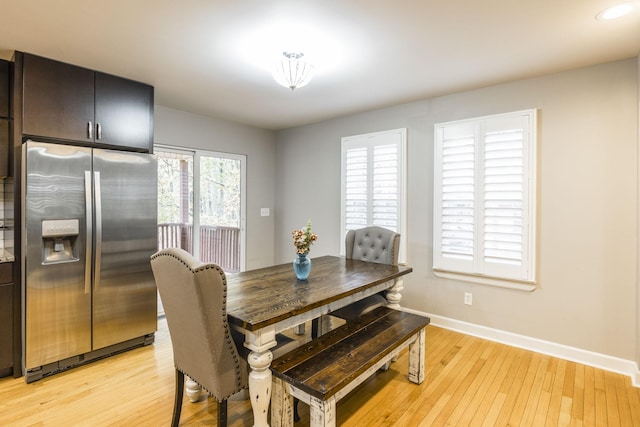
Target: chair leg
177,403
222,413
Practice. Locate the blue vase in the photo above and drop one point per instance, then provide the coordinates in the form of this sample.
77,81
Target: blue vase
302,266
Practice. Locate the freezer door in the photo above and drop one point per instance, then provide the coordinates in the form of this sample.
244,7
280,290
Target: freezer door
124,299
57,292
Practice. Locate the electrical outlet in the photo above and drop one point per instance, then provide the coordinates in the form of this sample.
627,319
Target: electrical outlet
468,298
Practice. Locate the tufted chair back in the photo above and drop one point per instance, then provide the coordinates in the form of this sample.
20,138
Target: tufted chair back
373,244
194,299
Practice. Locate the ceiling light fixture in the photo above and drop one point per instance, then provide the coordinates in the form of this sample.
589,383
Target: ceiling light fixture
614,12
293,71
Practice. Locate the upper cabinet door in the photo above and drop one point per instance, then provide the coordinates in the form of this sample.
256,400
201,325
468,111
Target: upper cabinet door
4,88
57,100
124,112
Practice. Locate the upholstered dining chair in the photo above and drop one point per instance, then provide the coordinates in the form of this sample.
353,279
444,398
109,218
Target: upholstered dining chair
373,244
194,299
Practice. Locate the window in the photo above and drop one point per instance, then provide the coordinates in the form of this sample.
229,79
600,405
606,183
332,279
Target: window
374,183
484,200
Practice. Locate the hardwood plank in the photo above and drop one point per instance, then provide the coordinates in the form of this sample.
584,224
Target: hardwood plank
491,404
462,388
634,403
485,381
524,389
512,386
530,400
553,415
136,388
600,399
624,407
577,410
589,409
613,416
442,385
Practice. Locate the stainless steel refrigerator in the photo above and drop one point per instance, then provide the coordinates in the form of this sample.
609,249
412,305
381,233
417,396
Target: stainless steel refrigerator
90,218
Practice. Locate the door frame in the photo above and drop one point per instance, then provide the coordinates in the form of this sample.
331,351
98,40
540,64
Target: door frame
197,154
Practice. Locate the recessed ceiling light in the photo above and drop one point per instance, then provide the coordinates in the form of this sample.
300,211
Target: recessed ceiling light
614,12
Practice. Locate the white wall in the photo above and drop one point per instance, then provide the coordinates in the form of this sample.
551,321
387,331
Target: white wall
178,128
587,219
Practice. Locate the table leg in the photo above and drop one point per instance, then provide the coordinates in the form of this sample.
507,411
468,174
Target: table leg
260,376
393,294
193,389
260,386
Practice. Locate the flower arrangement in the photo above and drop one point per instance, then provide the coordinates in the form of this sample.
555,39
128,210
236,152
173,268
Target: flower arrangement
304,238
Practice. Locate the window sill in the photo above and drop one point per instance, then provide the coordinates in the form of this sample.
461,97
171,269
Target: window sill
487,280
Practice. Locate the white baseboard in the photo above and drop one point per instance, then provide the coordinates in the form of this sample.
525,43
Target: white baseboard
585,357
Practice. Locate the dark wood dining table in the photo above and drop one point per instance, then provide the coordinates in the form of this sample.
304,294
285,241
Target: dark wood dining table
263,302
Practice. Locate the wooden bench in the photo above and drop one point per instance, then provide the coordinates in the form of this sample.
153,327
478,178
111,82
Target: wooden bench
323,371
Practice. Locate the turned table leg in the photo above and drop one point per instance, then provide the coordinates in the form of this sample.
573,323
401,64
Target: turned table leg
393,294
260,342
260,386
193,389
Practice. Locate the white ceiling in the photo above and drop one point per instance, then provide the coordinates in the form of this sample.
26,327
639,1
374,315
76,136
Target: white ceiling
213,57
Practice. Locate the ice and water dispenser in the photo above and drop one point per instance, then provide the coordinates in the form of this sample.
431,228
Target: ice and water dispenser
60,240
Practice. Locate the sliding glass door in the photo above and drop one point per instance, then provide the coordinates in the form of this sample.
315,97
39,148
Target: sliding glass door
201,205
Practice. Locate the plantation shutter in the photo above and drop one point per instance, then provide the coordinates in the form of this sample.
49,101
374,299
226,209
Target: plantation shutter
373,181
483,196
356,188
458,187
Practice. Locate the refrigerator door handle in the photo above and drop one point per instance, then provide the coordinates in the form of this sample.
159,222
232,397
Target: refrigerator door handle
89,220
98,236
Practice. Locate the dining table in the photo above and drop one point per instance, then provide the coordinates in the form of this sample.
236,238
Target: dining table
263,302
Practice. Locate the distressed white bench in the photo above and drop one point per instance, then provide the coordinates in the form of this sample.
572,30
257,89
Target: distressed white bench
323,371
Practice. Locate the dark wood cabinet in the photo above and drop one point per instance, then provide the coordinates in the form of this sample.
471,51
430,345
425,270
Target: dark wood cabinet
5,114
4,88
57,100
6,320
124,112
5,137
68,103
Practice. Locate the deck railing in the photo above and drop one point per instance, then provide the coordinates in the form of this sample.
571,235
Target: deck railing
219,245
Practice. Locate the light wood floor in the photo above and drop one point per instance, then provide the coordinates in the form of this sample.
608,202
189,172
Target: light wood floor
469,381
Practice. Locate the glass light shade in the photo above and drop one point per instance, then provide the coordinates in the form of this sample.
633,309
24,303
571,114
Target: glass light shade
293,71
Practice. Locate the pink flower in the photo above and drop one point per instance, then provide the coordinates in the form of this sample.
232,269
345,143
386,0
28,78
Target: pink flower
304,238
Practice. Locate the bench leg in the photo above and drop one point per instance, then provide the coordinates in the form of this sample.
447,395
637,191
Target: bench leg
416,358
393,296
281,404
323,414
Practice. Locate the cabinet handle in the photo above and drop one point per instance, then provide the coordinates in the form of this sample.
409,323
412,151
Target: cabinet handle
98,131
90,130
